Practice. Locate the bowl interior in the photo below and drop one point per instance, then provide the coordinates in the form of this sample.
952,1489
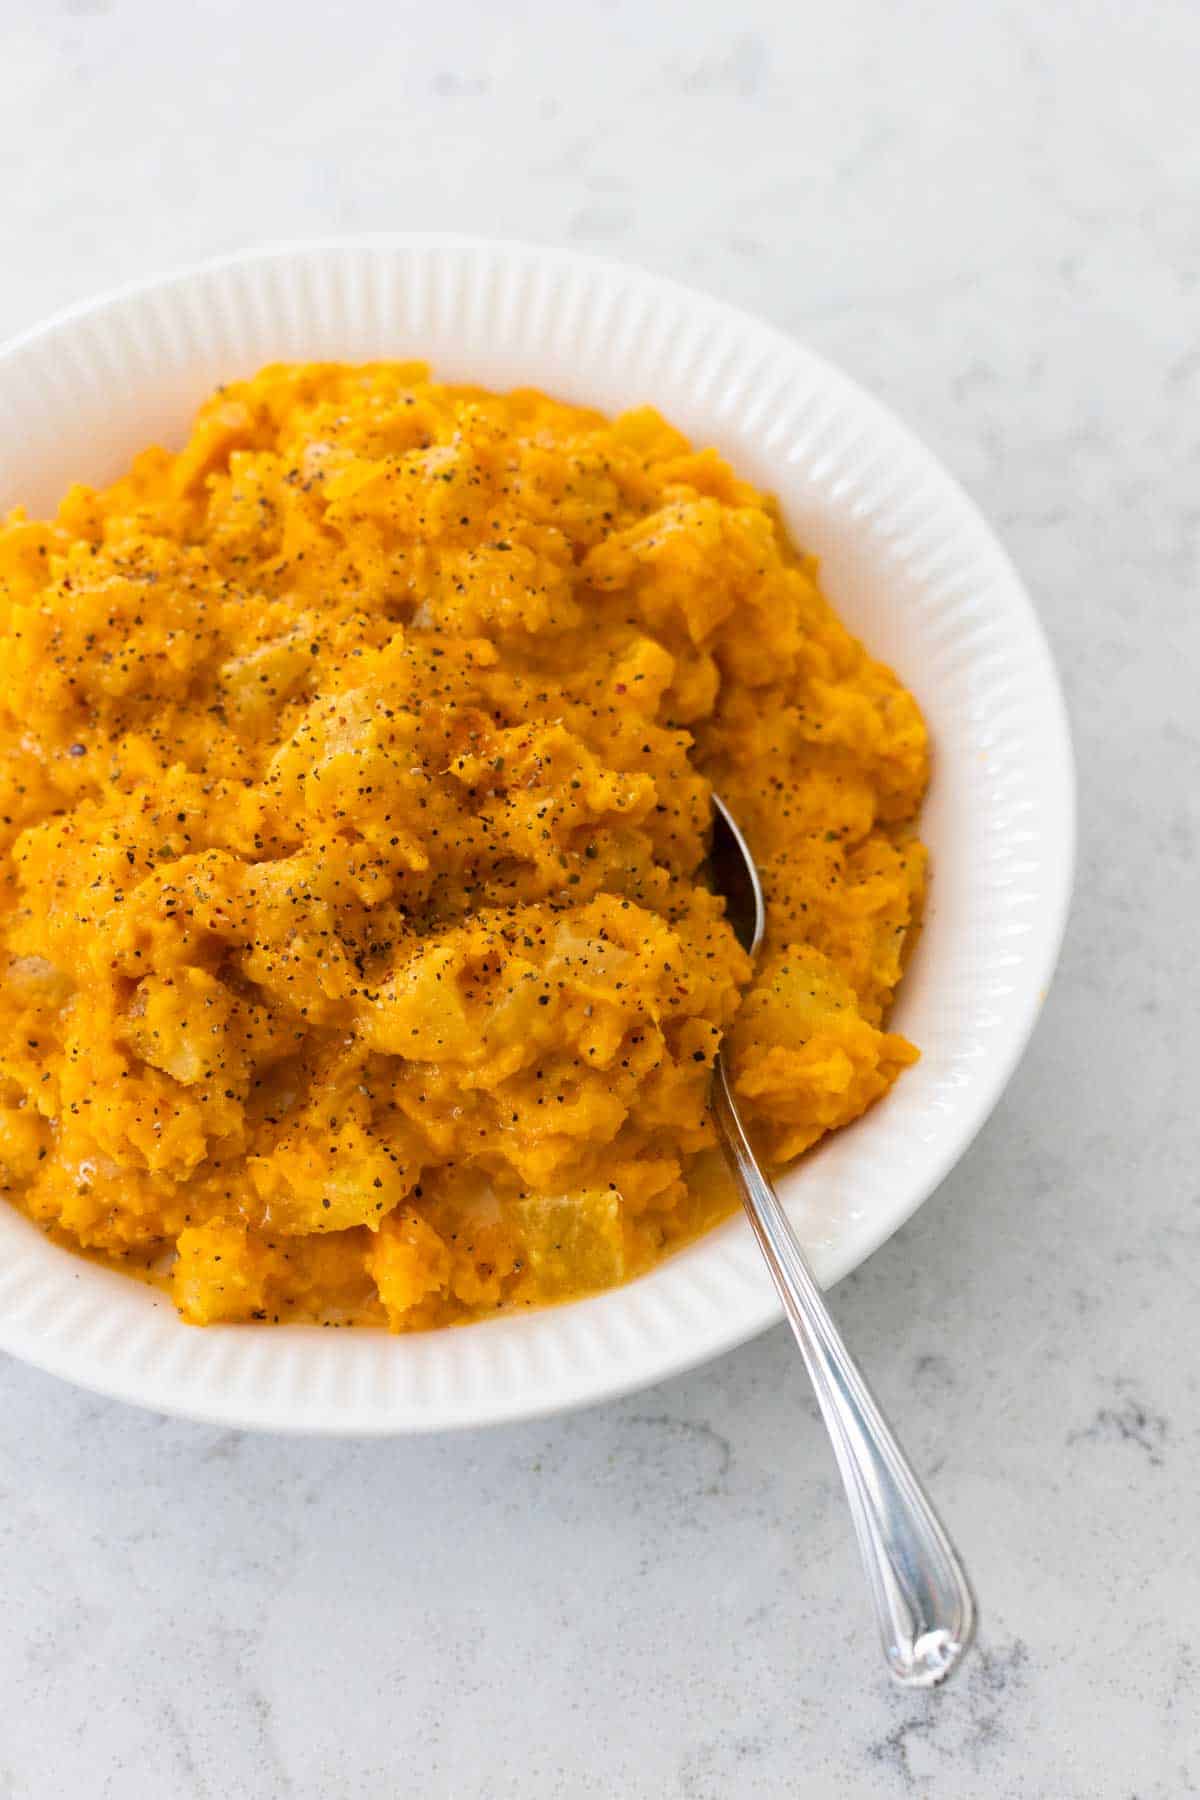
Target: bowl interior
910,567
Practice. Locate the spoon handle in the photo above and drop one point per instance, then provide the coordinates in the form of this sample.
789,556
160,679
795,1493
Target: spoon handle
923,1601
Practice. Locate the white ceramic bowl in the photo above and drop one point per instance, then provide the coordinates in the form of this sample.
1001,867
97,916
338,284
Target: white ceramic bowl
909,564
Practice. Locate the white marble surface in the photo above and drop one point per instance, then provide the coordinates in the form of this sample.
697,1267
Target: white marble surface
988,214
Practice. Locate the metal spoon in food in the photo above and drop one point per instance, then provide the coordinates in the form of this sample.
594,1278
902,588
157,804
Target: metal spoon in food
923,1601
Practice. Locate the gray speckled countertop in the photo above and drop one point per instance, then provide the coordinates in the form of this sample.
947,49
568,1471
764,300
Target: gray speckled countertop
987,214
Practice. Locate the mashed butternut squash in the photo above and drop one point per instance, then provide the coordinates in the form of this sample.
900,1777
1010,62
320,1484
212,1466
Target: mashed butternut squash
355,767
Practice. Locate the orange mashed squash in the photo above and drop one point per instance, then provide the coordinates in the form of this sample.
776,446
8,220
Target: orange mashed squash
355,773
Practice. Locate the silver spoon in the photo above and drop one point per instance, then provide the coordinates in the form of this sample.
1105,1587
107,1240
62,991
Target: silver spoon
923,1601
